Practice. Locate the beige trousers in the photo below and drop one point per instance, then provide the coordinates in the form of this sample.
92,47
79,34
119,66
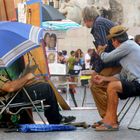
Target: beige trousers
99,91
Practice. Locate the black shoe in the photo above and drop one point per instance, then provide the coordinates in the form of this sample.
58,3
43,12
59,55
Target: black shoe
67,119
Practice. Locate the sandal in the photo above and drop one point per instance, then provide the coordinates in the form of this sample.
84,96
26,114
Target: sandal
106,127
96,124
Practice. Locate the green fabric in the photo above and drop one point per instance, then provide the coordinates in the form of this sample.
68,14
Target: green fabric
13,70
71,62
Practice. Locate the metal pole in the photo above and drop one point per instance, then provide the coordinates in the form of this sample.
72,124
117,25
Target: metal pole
34,105
127,109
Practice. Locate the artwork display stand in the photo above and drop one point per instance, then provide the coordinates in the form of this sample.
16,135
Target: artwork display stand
34,17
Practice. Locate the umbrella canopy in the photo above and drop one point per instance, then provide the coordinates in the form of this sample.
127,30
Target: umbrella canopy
51,14
16,39
62,25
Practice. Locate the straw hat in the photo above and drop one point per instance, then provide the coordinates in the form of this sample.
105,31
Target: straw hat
116,31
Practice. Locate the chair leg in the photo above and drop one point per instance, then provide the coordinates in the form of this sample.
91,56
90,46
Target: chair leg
130,122
123,107
34,105
4,108
127,108
73,99
85,92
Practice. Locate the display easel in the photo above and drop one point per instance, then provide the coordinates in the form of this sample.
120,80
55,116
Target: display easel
34,17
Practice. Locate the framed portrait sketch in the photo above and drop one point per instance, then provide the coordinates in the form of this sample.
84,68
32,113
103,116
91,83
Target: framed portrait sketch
50,41
52,56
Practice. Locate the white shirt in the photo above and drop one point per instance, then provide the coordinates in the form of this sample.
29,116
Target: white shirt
87,64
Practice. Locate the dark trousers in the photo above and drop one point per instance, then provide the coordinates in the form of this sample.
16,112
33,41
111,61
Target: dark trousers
41,91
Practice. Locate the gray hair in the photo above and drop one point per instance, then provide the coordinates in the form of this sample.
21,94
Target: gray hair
90,13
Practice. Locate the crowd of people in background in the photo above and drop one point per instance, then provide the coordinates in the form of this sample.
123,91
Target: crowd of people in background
77,60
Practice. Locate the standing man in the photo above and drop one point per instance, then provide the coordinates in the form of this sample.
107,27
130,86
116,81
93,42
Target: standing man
127,82
100,29
88,59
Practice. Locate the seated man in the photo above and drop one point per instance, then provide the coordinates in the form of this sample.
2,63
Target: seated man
37,90
127,82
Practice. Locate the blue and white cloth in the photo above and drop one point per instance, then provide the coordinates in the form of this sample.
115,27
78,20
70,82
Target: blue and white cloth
45,127
63,25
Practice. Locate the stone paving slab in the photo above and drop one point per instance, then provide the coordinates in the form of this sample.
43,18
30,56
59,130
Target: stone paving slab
88,115
82,134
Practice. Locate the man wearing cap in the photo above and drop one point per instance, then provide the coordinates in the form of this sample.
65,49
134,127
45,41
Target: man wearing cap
100,29
127,82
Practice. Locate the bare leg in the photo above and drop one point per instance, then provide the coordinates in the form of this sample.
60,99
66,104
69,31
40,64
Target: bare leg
99,92
112,103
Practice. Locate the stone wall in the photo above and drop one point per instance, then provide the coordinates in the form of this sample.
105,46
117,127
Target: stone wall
75,39
126,12
131,12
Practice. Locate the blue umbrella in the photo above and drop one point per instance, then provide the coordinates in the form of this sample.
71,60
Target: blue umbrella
16,39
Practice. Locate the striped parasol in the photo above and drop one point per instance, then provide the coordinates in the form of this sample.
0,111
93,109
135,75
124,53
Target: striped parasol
16,39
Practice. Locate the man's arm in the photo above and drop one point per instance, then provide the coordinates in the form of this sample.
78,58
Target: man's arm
98,79
116,54
15,85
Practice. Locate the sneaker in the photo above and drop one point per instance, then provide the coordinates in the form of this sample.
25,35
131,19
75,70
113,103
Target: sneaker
67,119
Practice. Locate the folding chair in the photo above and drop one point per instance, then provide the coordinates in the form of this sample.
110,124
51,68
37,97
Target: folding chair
130,122
128,103
5,106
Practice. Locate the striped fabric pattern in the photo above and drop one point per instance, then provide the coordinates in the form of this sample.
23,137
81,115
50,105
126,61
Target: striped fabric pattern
35,34
16,53
101,29
16,40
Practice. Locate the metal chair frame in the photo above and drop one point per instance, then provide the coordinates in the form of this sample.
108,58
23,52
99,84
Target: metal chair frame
32,104
22,106
128,101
